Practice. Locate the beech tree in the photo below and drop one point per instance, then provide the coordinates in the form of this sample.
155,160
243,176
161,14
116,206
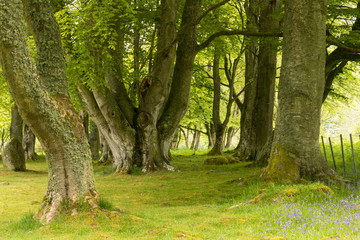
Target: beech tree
142,134
257,109
295,150
42,97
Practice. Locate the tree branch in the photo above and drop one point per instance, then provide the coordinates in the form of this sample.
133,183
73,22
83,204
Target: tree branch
342,46
213,7
236,32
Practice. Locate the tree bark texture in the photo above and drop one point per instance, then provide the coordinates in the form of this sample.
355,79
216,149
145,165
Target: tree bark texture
246,147
295,150
257,122
29,141
44,103
13,155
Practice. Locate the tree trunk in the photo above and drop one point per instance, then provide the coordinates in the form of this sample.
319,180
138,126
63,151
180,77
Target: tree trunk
29,141
85,121
106,155
257,116
143,136
230,135
197,140
218,126
174,142
295,150
13,155
246,146
211,134
94,141
44,103
194,138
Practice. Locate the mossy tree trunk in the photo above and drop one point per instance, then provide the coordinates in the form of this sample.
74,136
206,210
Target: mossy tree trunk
295,150
42,97
13,155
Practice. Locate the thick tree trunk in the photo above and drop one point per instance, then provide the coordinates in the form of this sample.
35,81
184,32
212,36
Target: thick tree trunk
13,155
143,136
246,147
296,151
211,134
29,141
256,125
46,106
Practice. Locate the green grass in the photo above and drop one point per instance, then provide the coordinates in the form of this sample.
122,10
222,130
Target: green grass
348,157
197,202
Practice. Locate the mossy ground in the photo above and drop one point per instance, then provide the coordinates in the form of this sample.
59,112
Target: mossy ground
198,202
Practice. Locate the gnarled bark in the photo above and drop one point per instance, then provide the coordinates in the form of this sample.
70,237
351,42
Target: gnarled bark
44,103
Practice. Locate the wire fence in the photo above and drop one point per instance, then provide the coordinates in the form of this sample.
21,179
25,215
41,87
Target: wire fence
340,153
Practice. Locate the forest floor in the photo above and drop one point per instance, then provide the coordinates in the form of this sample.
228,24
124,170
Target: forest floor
197,202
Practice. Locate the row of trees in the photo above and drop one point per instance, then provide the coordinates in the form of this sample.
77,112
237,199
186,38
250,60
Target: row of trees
130,65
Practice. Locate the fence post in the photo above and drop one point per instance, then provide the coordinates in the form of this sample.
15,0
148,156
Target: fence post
332,153
353,154
342,152
322,139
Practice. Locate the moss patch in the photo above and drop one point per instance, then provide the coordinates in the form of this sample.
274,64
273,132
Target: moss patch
221,160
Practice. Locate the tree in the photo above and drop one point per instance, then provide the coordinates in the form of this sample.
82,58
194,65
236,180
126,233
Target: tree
13,154
257,109
295,150
220,126
42,97
29,141
142,135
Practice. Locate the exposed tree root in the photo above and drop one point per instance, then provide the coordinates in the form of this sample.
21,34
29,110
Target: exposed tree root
55,204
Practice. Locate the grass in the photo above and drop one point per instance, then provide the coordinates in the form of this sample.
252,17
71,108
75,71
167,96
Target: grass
197,202
348,157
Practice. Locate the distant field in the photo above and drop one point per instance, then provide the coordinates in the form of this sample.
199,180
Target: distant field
197,202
